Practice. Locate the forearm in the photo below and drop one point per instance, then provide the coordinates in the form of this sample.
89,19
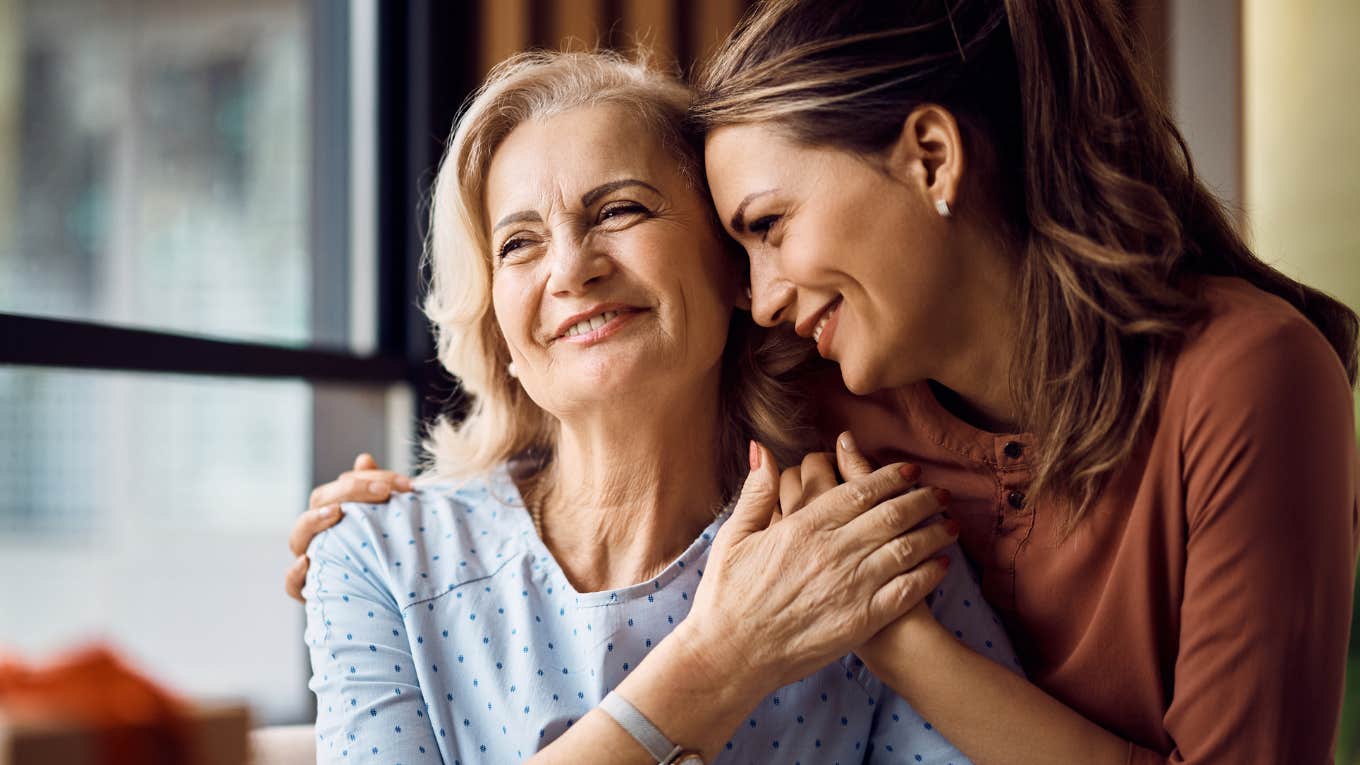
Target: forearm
696,702
988,712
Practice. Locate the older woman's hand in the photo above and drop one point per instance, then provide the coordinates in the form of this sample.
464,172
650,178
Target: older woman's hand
780,600
365,483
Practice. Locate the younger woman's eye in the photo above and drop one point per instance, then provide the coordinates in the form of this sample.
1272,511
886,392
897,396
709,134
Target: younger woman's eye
763,226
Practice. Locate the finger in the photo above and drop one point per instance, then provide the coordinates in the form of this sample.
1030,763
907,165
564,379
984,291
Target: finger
790,490
906,591
365,461
309,524
847,501
907,551
399,482
295,578
759,495
851,462
819,475
775,517
351,487
897,515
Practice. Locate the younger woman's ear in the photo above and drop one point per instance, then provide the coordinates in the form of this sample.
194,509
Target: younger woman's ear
928,154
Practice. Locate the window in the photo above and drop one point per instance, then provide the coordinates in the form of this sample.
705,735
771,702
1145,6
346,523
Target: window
196,321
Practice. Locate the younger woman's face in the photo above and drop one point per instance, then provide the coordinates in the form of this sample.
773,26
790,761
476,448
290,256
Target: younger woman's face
853,255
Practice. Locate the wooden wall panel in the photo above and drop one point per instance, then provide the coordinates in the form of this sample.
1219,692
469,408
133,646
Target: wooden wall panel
710,21
678,31
653,24
505,30
578,24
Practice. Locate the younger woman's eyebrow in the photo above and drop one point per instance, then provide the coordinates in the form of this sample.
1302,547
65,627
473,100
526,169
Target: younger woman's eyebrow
590,197
738,222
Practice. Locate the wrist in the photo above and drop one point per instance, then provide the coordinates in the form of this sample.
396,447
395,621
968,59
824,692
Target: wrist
912,638
694,697
714,662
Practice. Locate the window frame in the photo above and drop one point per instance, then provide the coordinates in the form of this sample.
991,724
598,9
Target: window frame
421,80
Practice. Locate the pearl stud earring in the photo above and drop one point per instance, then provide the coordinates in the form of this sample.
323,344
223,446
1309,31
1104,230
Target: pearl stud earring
942,207
510,369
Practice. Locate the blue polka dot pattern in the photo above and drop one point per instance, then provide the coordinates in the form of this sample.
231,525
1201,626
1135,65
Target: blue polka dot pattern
442,631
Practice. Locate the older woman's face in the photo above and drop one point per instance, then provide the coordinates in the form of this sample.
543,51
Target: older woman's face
609,279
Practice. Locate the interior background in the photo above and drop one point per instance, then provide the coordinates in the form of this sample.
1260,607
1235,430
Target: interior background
210,218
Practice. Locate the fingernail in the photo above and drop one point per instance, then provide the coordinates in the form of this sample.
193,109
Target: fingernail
941,496
403,483
848,442
378,487
944,561
909,472
755,456
326,512
952,526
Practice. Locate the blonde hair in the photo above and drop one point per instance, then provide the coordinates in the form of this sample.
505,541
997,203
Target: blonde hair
760,399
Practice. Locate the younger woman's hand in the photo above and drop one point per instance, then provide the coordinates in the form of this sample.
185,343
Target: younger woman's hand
365,483
779,601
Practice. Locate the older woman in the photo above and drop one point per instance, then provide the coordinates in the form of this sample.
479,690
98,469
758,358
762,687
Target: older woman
603,605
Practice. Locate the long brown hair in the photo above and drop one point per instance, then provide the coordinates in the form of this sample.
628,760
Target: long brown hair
1096,188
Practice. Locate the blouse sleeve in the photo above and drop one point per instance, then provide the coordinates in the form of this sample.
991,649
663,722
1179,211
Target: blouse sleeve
369,704
1271,522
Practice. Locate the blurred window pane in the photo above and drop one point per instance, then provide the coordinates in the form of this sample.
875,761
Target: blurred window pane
154,164
152,510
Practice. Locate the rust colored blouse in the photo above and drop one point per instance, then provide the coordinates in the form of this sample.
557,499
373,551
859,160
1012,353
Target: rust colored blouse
1201,610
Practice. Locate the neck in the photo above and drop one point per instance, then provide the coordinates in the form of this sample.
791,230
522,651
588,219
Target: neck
976,367
632,485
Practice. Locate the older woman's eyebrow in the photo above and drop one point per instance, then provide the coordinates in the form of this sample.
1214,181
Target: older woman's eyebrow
524,216
738,221
591,197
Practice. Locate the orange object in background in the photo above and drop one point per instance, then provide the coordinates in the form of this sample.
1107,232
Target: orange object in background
91,707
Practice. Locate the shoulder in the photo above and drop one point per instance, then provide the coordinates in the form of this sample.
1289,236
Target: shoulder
1247,331
1261,401
422,543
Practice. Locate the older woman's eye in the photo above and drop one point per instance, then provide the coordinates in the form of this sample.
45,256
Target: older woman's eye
512,244
617,211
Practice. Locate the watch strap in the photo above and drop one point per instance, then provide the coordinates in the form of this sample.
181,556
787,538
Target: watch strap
640,728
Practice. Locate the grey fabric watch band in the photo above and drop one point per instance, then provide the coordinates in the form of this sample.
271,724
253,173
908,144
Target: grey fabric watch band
640,728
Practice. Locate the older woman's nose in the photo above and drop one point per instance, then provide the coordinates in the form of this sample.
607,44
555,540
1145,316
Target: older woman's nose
576,264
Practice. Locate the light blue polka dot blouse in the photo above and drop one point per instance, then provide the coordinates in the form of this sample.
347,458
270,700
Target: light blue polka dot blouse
442,630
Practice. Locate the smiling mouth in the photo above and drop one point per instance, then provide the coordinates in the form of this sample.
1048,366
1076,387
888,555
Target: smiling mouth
822,322
589,329
585,325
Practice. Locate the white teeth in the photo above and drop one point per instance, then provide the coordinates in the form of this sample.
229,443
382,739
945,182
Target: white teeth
821,325
585,325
